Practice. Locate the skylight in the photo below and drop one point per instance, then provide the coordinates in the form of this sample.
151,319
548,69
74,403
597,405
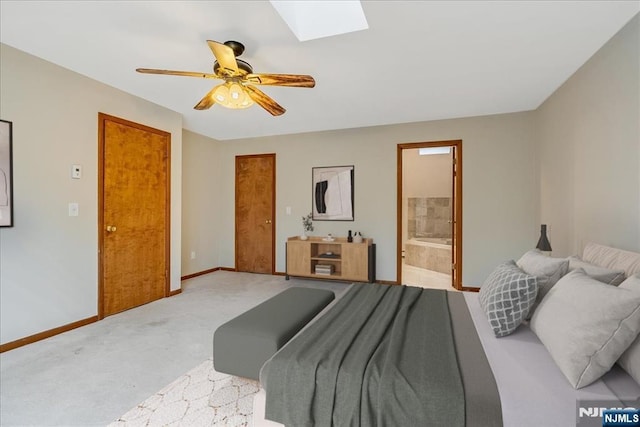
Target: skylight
434,150
317,19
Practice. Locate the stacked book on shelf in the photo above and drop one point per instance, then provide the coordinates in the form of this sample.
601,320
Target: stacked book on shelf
324,269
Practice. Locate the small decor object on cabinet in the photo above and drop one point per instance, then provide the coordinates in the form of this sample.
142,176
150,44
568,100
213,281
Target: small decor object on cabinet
357,238
349,237
307,226
6,175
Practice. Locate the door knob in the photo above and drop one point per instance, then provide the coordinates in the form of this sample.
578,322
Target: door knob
111,228
267,221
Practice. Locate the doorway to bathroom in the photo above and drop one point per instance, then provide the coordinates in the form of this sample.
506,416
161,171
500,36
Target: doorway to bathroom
429,229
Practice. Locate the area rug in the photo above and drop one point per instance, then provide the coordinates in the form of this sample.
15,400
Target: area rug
201,397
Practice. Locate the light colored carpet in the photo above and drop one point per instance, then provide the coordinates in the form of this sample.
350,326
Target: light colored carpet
201,397
90,376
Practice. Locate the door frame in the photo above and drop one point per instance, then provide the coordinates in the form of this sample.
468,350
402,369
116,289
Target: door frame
102,117
456,255
273,209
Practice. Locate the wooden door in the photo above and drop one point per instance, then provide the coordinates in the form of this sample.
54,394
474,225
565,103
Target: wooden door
133,214
255,211
456,217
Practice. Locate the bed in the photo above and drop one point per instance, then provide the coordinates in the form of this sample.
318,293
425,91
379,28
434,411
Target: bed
515,380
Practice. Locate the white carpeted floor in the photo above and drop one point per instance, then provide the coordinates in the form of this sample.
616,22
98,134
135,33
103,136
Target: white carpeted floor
93,375
103,372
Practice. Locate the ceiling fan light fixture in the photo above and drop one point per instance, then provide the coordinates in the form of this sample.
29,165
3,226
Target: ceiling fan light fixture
232,95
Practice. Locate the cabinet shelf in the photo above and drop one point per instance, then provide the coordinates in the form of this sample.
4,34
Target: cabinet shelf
344,260
327,258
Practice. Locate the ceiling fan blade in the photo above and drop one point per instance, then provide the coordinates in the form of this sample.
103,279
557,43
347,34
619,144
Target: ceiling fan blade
291,80
225,56
206,102
262,99
177,73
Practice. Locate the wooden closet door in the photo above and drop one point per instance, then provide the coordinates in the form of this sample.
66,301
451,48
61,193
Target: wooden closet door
255,213
133,214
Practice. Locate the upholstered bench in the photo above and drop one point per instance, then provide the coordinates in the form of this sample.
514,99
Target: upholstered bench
243,344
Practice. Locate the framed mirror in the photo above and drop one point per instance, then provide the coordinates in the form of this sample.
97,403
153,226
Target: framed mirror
332,190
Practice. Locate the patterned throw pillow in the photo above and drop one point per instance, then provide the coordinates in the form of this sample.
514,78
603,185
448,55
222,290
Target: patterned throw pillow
507,296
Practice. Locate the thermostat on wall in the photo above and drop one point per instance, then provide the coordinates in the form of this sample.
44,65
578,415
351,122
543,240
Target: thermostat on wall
76,171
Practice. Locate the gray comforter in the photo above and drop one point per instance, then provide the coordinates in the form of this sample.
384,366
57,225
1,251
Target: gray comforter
384,355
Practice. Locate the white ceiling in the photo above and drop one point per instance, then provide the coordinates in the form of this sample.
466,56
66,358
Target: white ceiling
419,60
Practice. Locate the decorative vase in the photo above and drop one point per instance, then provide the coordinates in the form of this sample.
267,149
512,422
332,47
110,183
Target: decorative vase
304,236
357,238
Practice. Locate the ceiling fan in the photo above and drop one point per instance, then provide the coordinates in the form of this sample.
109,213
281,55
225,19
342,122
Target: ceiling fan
238,90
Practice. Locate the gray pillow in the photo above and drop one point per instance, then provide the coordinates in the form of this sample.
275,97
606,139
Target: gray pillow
548,271
630,359
507,297
586,325
605,275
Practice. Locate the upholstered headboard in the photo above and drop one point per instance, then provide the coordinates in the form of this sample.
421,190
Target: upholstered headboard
608,257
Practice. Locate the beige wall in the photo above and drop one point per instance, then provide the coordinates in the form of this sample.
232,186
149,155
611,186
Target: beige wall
201,213
426,176
589,158
48,260
499,186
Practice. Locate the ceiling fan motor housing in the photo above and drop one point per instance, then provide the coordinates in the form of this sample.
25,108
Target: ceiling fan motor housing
237,47
243,66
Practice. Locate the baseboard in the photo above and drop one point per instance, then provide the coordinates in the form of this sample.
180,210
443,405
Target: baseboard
56,331
387,282
46,334
200,273
227,269
469,289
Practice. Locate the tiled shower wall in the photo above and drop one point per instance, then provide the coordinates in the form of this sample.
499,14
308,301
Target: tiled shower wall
429,217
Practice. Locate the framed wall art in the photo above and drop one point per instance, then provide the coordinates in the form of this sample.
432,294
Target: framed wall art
6,175
332,189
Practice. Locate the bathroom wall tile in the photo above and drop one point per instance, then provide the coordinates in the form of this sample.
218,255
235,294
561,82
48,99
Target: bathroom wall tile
411,228
442,229
429,227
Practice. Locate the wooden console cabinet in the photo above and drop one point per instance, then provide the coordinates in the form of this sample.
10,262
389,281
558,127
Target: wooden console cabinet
336,260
